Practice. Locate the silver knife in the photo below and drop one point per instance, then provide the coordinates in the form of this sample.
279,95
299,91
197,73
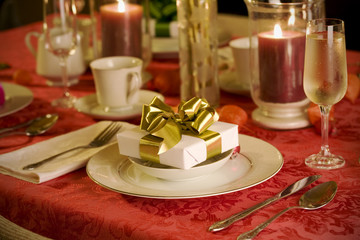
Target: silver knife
293,188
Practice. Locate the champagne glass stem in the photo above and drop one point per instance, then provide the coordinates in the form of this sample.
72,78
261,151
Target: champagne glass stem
64,75
67,100
325,110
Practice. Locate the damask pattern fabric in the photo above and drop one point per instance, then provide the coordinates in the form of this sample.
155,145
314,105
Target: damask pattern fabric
74,207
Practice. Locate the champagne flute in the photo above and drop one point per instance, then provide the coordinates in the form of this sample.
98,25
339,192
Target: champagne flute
60,30
325,79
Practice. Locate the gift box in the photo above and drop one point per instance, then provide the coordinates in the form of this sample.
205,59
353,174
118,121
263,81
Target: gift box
188,152
181,139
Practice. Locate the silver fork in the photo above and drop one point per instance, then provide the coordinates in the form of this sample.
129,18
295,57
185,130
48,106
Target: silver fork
100,140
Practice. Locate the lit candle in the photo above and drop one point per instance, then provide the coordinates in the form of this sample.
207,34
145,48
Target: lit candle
121,29
281,65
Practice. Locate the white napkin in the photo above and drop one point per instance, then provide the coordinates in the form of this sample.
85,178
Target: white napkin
12,163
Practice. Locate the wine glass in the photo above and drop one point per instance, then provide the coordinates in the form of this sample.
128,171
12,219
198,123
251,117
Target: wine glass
60,29
325,79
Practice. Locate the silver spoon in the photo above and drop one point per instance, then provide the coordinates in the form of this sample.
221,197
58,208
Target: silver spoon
25,124
291,189
315,198
36,126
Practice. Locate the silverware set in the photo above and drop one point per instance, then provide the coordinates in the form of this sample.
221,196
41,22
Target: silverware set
315,198
41,124
100,140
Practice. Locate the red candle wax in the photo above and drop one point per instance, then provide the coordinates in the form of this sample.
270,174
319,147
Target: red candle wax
121,30
281,65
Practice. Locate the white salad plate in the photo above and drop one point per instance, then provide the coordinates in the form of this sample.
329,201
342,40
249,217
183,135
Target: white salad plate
166,47
257,162
16,98
176,174
90,106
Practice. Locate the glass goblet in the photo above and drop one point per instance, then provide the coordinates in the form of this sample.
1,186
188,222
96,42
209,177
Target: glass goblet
60,30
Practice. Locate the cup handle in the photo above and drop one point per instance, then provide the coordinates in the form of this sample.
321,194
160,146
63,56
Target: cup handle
134,84
28,41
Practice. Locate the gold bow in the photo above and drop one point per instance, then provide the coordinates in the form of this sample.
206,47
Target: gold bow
194,117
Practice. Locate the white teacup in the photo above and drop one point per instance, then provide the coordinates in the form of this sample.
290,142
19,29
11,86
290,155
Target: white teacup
117,82
241,52
47,64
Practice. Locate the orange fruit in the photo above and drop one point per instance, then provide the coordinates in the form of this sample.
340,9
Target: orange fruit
22,76
353,90
168,82
233,114
175,108
315,117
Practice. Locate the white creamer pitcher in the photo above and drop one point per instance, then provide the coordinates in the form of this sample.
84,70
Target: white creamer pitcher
47,64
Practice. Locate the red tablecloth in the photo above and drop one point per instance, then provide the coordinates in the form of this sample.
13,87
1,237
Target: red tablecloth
74,207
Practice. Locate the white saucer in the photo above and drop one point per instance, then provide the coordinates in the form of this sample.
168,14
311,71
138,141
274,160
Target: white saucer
229,83
16,98
176,174
90,106
258,162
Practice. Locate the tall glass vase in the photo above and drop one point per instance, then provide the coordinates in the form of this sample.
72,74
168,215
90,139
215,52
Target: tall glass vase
198,50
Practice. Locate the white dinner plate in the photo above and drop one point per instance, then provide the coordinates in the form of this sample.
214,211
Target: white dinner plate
258,162
229,83
16,98
90,106
163,47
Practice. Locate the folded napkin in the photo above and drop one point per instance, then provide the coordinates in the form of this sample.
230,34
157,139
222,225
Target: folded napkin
12,163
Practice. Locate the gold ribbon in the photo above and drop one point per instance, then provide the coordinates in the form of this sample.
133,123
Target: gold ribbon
165,127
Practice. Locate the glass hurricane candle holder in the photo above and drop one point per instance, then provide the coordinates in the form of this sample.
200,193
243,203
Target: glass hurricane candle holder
277,49
124,28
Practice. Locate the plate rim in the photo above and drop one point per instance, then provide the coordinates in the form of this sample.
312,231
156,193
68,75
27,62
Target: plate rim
14,92
224,38
113,116
254,163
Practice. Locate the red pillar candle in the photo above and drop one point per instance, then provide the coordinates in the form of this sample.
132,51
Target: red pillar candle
281,65
121,29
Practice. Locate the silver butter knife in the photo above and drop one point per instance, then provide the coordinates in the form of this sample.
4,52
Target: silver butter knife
293,188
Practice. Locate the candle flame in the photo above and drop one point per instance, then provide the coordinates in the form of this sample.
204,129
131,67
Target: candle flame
121,6
291,21
277,31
